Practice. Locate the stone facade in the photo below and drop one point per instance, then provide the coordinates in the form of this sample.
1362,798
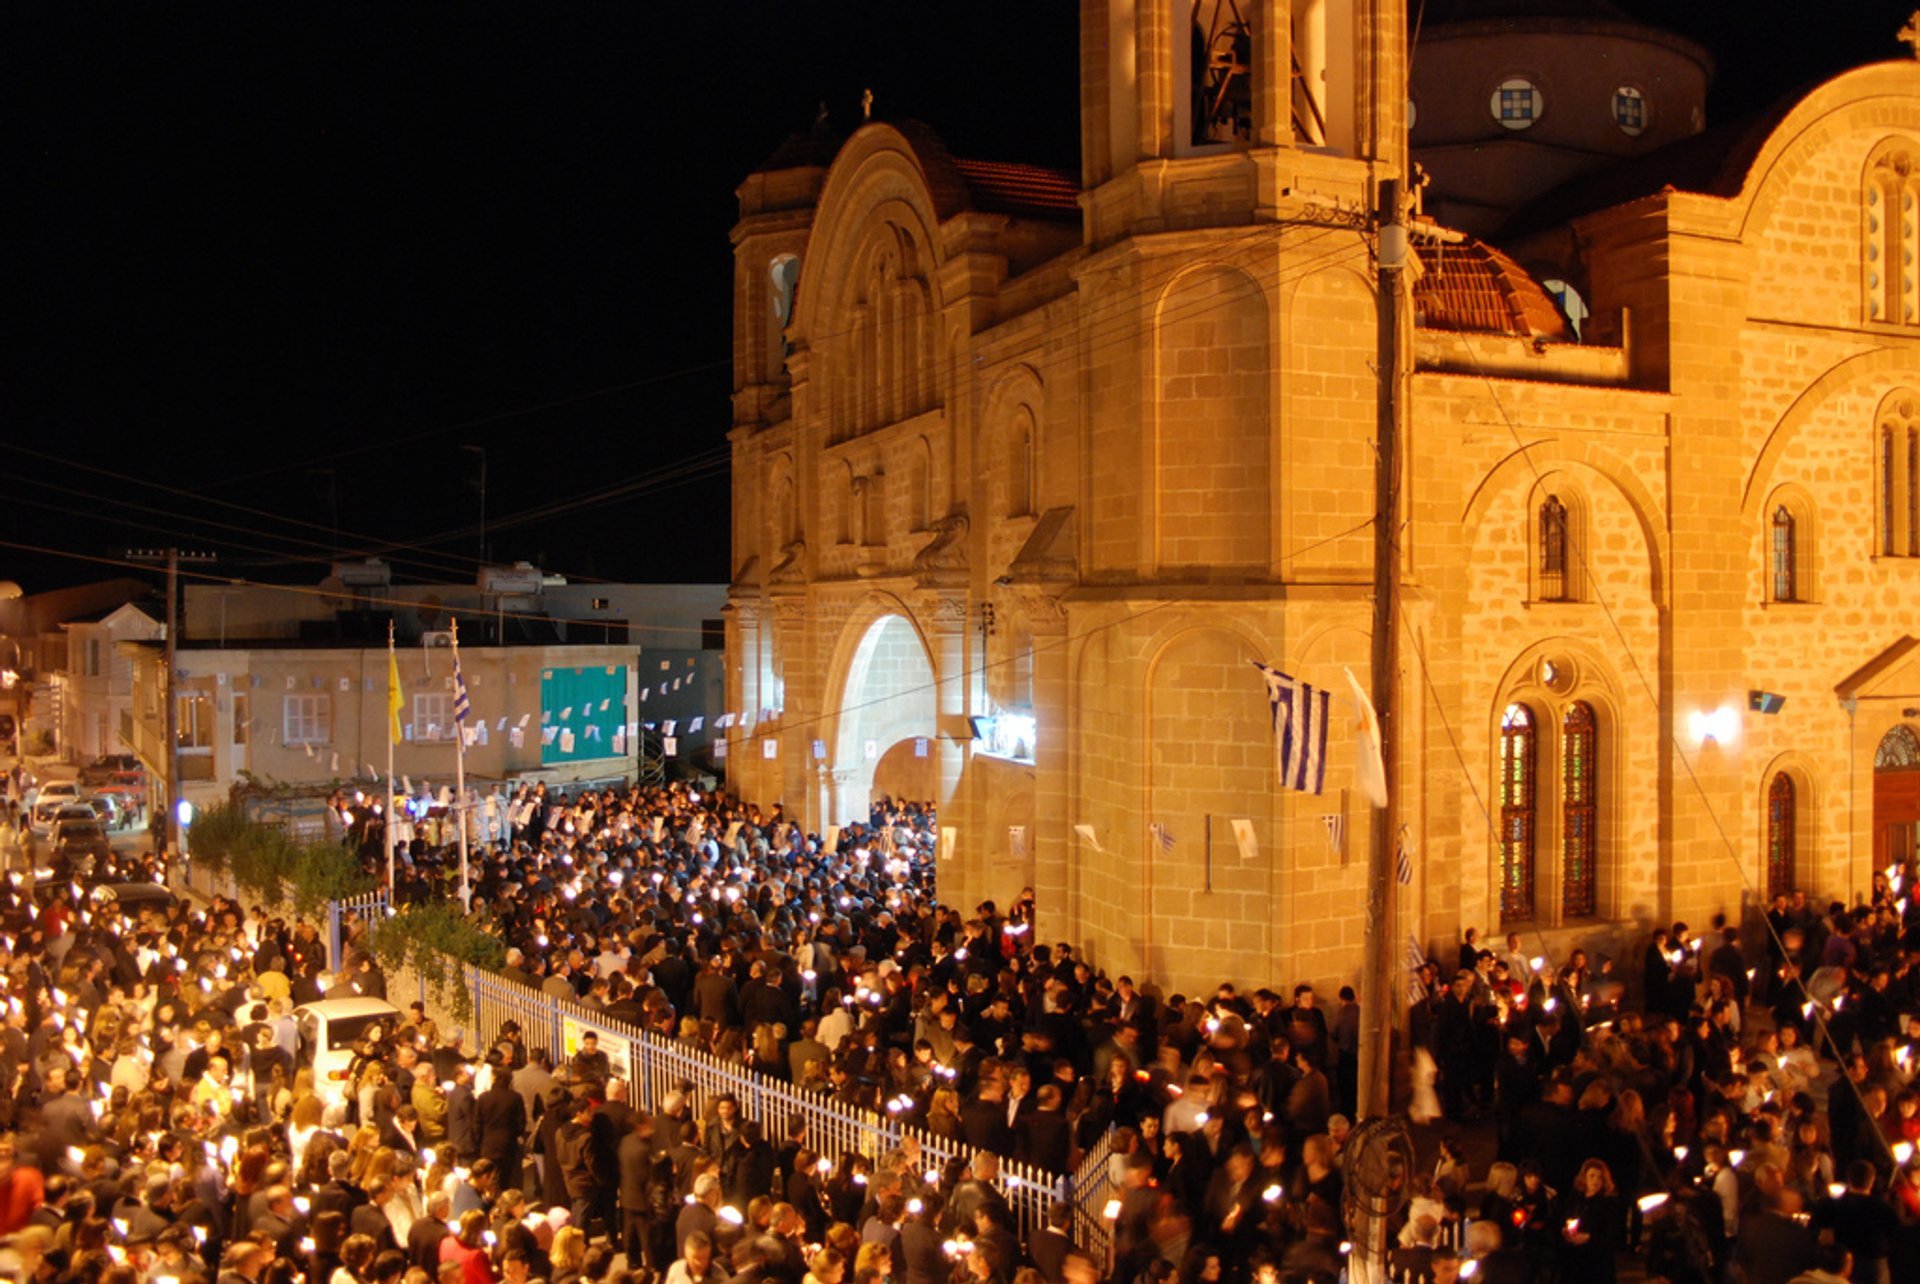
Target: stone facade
1081,448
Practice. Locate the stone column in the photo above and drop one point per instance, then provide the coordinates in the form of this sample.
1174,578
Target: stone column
1048,842
1272,22
944,619
797,703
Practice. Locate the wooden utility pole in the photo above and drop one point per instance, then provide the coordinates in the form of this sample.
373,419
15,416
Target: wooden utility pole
172,558
1376,986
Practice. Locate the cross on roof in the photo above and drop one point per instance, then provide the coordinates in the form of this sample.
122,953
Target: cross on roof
1910,34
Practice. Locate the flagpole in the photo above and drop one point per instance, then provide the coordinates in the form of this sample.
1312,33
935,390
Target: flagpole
460,772
393,667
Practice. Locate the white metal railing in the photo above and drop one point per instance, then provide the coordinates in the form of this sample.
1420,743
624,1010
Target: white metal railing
661,1065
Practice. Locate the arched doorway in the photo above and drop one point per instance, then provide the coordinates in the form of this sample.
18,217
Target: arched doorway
887,711
1896,797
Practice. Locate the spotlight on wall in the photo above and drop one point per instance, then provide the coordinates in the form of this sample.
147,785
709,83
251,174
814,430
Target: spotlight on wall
1765,701
1720,725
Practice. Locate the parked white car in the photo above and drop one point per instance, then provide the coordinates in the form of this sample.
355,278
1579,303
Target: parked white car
329,1029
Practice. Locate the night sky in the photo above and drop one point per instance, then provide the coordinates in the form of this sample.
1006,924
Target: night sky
272,265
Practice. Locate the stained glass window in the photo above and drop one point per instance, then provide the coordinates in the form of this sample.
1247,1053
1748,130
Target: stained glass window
1887,510
1784,588
1579,793
1899,750
1553,550
1516,814
1913,492
1780,825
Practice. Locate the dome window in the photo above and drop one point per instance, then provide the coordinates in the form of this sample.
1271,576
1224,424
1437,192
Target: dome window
1630,111
1516,103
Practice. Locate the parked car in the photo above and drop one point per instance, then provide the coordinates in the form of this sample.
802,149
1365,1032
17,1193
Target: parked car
80,841
329,1029
105,806
129,898
59,791
127,790
47,810
101,769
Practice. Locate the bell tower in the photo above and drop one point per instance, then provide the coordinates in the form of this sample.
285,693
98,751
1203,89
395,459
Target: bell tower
1167,82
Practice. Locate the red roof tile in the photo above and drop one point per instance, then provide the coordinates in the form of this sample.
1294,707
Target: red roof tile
1007,187
1472,286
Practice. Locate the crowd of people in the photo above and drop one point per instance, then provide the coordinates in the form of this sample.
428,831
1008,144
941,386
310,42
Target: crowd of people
1738,1110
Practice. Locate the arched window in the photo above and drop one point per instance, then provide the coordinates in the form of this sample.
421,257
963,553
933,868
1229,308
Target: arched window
1555,581
1517,818
1579,811
1783,553
1890,220
919,485
1899,467
1781,819
1899,750
1911,480
783,274
1020,466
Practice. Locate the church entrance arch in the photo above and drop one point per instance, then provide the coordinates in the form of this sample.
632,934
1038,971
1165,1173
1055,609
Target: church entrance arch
1896,797
888,716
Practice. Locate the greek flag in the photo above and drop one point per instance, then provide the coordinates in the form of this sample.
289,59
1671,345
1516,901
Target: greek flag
1162,837
1300,719
461,705
1403,859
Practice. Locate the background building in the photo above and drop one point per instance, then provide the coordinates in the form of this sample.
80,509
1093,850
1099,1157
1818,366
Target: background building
287,684
1029,466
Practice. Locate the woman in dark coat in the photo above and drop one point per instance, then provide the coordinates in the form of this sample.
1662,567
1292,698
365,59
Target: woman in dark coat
1593,1222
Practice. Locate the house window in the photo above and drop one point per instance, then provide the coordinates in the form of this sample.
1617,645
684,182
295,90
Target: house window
1516,103
93,657
1554,579
1517,745
1780,826
1579,790
433,715
1630,110
195,731
713,635
1783,551
307,719
242,717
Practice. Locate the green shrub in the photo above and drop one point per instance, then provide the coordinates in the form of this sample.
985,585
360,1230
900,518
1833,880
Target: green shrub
436,942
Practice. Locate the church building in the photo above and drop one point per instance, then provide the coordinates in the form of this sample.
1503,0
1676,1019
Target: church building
1030,467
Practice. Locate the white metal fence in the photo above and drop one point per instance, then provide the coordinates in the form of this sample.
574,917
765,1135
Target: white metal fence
661,1065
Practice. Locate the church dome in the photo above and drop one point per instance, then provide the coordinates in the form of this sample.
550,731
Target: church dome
1513,98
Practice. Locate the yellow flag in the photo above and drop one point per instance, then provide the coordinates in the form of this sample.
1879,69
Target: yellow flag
395,701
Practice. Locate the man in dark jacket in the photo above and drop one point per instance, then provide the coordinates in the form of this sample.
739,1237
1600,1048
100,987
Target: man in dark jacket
636,1160
463,1118
574,1144
983,1120
501,1118
424,1236
1773,1246
1041,1136
1049,1246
